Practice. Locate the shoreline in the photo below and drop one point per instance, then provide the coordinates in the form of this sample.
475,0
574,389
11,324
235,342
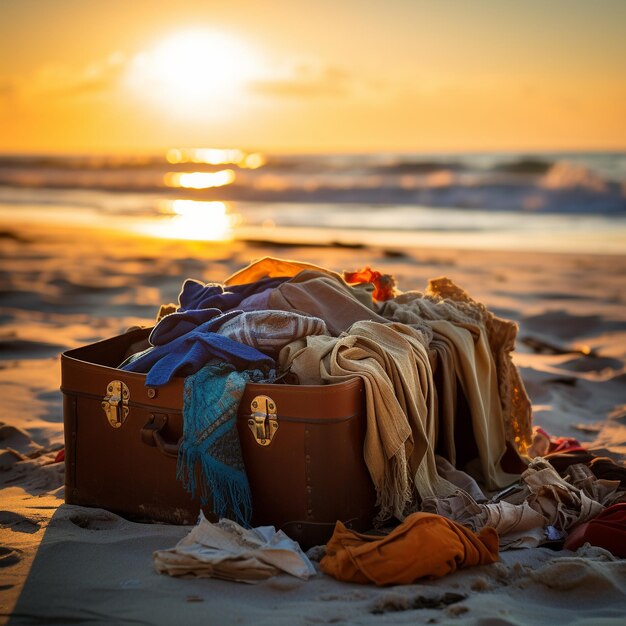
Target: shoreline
275,224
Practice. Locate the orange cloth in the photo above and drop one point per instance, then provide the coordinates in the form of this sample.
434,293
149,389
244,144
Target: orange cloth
270,267
424,545
384,283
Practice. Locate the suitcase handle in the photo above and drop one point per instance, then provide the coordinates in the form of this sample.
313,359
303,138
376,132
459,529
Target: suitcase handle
151,435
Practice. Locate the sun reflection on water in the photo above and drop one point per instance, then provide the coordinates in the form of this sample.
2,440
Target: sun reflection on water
193,220
216,156
199,180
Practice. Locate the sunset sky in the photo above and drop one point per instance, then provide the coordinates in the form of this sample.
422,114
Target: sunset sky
323,75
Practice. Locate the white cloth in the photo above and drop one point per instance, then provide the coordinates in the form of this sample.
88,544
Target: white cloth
227,550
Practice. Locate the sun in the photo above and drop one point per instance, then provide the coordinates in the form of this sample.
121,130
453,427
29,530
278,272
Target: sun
191,70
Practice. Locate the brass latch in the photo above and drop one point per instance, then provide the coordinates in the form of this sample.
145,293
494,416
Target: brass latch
115,403
263,421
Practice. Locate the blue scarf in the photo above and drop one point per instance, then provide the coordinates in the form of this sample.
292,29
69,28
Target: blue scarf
210,439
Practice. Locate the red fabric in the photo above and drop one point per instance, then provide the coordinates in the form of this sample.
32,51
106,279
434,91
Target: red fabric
384,283
544,444
606,530
541,431
561,444
60,457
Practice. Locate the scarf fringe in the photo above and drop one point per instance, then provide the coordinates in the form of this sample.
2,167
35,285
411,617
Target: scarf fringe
227,489
393,492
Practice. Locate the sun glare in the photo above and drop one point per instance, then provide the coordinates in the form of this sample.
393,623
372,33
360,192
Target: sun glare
199,180
216,156
192,219
192,70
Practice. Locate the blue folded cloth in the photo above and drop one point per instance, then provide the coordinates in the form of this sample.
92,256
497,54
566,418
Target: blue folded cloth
180,323
185,341
187,354
201,303
196,295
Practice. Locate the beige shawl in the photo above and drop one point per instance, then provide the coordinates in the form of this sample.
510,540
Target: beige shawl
444,300
393,363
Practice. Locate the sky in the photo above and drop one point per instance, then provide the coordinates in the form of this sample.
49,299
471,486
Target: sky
107,76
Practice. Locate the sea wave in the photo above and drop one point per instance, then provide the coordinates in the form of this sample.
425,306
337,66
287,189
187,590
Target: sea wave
576,183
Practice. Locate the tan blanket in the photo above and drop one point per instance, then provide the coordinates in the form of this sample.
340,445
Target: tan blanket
393,363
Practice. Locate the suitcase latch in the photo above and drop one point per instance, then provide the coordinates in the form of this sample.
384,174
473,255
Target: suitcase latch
115,403
263,421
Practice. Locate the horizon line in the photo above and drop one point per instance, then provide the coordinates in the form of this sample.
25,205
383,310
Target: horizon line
313,151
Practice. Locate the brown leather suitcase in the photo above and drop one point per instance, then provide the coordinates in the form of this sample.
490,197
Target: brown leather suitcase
303,451
302,447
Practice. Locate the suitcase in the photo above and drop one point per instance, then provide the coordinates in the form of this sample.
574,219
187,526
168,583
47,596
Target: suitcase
302,447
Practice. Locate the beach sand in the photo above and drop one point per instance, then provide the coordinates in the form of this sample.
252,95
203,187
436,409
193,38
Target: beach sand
63,287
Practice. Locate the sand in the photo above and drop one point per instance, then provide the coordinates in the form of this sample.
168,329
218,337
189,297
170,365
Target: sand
63,287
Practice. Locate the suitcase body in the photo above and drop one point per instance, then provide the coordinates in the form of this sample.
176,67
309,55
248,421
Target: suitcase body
302,447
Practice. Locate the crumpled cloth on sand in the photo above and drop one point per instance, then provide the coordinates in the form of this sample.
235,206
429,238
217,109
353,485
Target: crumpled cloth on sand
424,545
607,530
459,478
518,525
228,551
544,444
606,491
562,503
545,500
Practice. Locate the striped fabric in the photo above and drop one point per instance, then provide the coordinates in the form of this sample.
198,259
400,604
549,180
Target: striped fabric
270,331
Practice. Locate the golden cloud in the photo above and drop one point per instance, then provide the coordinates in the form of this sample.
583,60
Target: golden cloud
306,81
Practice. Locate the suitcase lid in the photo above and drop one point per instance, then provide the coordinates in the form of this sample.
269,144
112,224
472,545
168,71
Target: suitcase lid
90,370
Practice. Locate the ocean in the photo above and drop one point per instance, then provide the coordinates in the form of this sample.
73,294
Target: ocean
562,202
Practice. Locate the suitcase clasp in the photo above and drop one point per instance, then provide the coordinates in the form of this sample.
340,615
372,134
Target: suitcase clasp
115,403
263,421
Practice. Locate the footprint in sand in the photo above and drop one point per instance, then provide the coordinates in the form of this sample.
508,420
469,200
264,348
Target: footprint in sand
392,603
572,573
100,520
566,326
17,439
592,364
18,523
618,414
9,556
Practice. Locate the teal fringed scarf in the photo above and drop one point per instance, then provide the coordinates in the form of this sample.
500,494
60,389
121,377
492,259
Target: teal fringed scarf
211,399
